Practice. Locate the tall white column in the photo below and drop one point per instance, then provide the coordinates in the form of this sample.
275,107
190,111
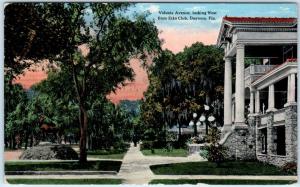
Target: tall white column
271,99
257,102
240,86
227,94
251,107
292,88
289,90
232,112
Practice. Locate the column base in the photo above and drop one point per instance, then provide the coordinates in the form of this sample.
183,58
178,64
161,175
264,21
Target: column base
240,126
226,128
271,110
253,115
290,104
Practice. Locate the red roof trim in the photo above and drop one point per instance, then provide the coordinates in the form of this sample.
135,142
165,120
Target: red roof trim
259,20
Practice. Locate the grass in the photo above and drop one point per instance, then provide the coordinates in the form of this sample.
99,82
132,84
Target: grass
220,181
164,152
102,165
103,154
64,181
209,168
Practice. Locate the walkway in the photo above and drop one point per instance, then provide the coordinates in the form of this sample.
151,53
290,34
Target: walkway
135,169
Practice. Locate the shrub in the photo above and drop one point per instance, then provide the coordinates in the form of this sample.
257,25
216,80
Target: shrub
147,145
50,152
203,153
290,168
215,152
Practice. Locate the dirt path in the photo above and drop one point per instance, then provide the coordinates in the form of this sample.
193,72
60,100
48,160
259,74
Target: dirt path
12,155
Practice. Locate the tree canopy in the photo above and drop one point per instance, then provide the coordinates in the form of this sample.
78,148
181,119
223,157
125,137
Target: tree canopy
181,84
90,43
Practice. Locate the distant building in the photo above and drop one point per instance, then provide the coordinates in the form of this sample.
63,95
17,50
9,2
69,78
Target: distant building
260,118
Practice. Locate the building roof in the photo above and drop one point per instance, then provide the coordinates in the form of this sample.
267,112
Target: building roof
259,20
254,24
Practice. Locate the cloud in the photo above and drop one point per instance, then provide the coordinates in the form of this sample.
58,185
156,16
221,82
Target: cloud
281,11
284,9
153,8
195,8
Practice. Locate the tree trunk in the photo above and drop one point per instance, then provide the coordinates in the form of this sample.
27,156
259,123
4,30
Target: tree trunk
83,133
6,142
11,142
31,140
26,139
207,99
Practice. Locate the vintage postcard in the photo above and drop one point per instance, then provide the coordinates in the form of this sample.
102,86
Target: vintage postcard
150,93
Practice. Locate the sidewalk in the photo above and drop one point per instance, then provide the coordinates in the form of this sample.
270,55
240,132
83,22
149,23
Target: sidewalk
135,169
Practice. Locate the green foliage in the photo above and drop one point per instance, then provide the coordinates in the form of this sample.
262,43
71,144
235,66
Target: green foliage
111,39
132,107
180,85
221,181
102,165
65,181
147,145
203,153
290,168
209,168
165,152
215,152
33,31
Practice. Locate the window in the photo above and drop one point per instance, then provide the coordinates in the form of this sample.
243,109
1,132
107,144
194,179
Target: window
280,142
263,140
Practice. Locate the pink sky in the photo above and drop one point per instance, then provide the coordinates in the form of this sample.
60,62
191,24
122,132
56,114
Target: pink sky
174,40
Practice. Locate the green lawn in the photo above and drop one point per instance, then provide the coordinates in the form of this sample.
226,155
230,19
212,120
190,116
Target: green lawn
64,181
219,181
103,154
209,168
164,152
102,165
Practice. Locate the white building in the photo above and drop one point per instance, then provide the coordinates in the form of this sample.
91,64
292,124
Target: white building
260,111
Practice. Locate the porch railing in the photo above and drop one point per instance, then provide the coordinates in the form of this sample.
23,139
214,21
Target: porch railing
257,69
279,115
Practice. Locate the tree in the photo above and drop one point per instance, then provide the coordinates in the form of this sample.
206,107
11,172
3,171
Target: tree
11,105
111,40
67,29
31,34
182,84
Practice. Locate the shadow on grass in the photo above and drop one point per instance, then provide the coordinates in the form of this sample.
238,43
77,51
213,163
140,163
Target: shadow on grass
64,181
102,165
209,168
164,152
220,181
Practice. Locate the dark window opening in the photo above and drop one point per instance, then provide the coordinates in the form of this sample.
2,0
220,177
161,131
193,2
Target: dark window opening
281,93
280,131
264,95
263,140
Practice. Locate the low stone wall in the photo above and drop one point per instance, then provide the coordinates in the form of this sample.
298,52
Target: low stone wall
262,157
241,144
290,123
195,148
276,160
245,143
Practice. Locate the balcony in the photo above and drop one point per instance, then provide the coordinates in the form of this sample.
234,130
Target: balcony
254,71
